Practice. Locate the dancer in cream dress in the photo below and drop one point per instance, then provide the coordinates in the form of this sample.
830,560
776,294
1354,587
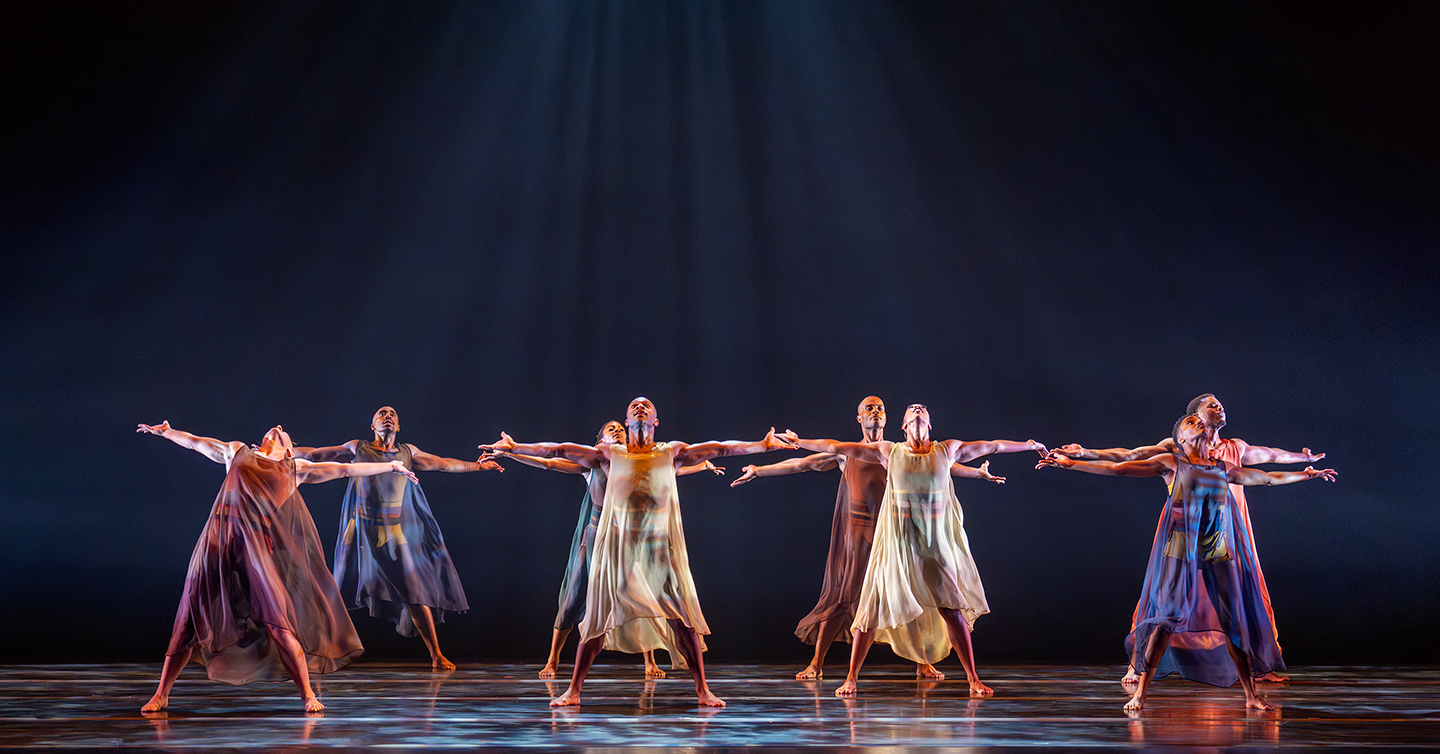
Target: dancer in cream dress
922,592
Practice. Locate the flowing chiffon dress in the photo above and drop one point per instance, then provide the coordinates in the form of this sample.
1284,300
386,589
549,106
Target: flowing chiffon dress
259,565
390,553
920,560
639,570
1202,585
577,571
852,531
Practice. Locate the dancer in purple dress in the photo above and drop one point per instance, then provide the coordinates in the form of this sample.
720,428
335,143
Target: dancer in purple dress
259,603
852,532
1233,451
1202,582
390,557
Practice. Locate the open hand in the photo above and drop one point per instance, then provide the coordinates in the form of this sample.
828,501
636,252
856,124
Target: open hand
987,476
719,470
1326,474
1039,447
1057,460
488,463
745,477
156,429
399,468
1072,450
505,443
1311,457
783,442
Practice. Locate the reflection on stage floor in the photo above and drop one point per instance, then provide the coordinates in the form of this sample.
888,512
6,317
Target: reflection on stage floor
504,705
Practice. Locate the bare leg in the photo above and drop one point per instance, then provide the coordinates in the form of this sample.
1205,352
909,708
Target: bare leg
1159,642
824,637
293,658
168,674
1242,666
557,641
425,622
861,646
688,643
585,656
652,670
959,631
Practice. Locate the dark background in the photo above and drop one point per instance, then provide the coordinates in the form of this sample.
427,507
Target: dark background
1059,221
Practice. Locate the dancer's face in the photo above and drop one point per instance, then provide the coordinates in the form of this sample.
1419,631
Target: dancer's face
277,438
1211,412
641,413
612,432
871,413
916,416
386,420
1192,428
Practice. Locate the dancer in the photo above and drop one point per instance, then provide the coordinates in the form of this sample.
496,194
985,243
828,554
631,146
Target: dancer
1232,451
572,587
258,600
1202,581
852,530
921,593
639,571
390,556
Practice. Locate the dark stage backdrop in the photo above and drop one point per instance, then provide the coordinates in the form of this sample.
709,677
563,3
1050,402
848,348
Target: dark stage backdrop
1050,221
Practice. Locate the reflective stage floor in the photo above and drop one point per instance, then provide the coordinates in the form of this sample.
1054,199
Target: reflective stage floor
400,705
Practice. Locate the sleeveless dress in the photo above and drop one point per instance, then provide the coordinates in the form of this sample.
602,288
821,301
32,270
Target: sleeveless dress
852,531
639,570
920,560
259,564
390,553
1202,585
577,573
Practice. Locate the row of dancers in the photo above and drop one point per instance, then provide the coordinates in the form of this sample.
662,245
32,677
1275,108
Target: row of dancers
259,604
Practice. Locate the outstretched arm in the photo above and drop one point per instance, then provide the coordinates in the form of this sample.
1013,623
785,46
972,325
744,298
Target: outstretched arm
216,450
969,451
687,454
1251,455
699,467
816,462
1157,466
423,461
1117,455
1256,477
970,472
338,453
312,473
587,455
874,452
562,465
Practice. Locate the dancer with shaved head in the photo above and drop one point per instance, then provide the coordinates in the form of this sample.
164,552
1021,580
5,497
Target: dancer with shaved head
640,571
922,592
852,531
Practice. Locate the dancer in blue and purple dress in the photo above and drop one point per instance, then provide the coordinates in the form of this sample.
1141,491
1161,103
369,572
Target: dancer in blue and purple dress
1202,580
390,557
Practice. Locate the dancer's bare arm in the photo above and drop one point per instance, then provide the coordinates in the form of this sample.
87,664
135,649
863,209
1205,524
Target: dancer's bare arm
582,454
970,472
1156,466
816,462
1117,455
686,454
1256,477
1251,455
961,452
218,451
312,473
423,461
337,453
562,465
874,452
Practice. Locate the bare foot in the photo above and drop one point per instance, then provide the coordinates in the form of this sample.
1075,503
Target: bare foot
979,689
846,689
654,671
570,698
312,704
548,671
1130,676
1258,702
928,671
1136,703
708,699
1272,677
156,703
810,673
438,662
